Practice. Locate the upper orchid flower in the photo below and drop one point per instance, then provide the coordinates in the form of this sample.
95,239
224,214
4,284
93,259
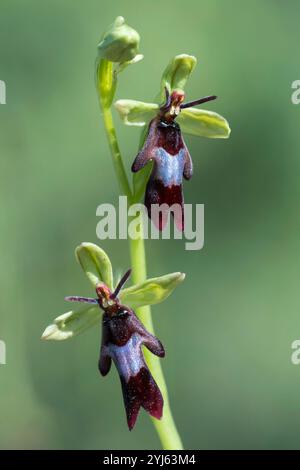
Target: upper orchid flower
164,144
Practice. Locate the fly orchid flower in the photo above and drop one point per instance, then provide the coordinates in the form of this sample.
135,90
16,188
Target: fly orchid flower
164,144
123,335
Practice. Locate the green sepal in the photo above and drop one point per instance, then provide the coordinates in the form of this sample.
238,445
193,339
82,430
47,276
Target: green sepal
152,291
120,67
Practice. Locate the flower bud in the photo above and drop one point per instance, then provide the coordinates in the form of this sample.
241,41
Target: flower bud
136,113
120,43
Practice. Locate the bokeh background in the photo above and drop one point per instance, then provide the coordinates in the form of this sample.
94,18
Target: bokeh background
228,329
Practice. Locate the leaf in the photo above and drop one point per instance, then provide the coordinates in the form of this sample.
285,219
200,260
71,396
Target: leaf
152,291
136,113
203,123
72,323
95,263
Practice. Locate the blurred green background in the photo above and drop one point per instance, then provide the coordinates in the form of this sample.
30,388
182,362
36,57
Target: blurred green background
228,329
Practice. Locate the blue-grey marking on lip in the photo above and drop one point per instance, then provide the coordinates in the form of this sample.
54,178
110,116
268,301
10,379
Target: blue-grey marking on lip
128,358
169,168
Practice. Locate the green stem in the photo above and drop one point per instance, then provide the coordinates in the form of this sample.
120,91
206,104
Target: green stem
165,427
106,83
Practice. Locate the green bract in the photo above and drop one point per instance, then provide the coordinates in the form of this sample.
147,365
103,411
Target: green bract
117,49
97,267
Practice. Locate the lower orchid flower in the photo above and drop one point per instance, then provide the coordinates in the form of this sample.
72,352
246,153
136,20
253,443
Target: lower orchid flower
123,335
